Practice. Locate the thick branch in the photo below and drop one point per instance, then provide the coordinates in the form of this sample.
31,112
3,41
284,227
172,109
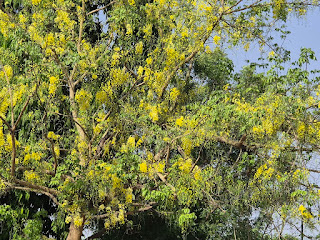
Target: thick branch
22,111
97,235
6,123
35,187
54,199
163,179
55,165
238,144
81,26
99,9
13,154
48,172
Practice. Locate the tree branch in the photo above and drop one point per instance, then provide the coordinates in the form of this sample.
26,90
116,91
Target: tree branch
6,123
97,235
35,187
163,179
11,186
99,9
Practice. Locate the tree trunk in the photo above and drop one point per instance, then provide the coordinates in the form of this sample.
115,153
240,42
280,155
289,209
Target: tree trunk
75,233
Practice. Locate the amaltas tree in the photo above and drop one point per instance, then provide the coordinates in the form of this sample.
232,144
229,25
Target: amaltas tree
111,108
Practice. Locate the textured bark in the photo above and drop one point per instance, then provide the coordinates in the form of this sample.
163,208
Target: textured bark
75,233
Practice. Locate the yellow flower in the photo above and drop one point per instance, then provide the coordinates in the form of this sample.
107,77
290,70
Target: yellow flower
68,219
31,176
149,60
271,54
50,39
8,72
131,142
143,167
179,121
174,93
140,71
301,129
139,48
153,114
78,220
129,195
216,39
53,84
131,2
36,2
83,98
52,135
304,212
129,29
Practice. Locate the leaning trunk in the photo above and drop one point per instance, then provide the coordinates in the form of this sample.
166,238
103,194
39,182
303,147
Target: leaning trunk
75,233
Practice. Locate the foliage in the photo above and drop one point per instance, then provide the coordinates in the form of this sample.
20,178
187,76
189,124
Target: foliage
107,119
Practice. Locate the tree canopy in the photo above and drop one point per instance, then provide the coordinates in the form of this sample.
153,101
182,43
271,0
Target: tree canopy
111,110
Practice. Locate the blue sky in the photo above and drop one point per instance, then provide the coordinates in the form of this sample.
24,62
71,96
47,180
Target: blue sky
305,32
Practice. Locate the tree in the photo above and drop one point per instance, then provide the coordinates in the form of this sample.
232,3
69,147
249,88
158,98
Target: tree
105,118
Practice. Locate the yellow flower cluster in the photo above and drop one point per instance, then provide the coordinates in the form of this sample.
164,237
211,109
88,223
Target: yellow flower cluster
184,165
304,212
8,145
301,130
187,145
22,20
174,94
8,72
129,29
36,2
31,176
5,24
52,135
115,218
129,195
78,220
2,185
131,2
264,171
131,142
179,121
97,129
64,22
104,95
143,167
53,83
116,182
83,98
197,173
119,76
216,39
36,156
153,114
147,30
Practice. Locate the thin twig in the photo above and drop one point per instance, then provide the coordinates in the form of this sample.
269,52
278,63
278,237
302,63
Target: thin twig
99,9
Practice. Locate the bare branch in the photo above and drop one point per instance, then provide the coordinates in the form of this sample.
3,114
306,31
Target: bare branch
55,165
81,78
99,9
163,179
35,187
11,186
24,107
6,123
81,26
97,235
